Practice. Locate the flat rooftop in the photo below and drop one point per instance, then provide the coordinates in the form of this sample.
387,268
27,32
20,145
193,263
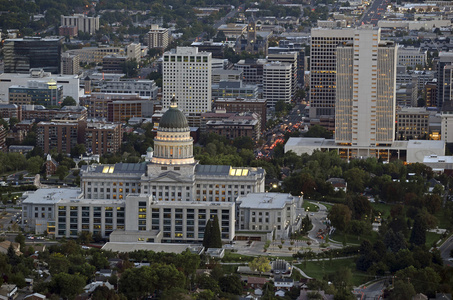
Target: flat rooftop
330,143
156,247
265,200
52,196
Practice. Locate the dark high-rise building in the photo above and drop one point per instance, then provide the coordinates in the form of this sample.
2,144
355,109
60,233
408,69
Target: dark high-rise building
444,77
21,55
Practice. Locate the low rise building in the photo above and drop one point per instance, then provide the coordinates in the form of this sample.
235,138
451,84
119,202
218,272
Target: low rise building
237,126
412,57
70,83
113,63
10,111
36,92
411,151
270,212
242,105
143,88
218,75
39,212
412,123
234,89
22,149
232,30
40,113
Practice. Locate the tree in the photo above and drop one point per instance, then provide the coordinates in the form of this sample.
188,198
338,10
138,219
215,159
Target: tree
418,233
130,68
212,235
402,290
207,234
68,101
260,264
394,241
357,227
78,150
216,239
62,171
339,216
20,238
137,283
99,260
356,179
58,263
34,164
67,285
13,121
318,131
231,284
103,293
85,237
207,282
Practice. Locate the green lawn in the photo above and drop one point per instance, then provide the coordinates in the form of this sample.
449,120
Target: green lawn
352,239
432,237
318,269
308,206
235,257
383,208
444,220
328,206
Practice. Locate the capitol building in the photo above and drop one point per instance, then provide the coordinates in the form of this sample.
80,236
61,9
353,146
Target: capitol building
166,199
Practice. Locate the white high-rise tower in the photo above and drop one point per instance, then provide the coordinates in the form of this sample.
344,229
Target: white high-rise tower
187,76
365,94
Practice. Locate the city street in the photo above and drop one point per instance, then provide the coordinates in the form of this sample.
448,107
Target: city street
374,12
445,250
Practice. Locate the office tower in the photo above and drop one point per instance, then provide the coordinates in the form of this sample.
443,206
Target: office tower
444,77
292,46
158,37
287,57
187,76
21,55
365,96
324,42
82,22
277,82
69,64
